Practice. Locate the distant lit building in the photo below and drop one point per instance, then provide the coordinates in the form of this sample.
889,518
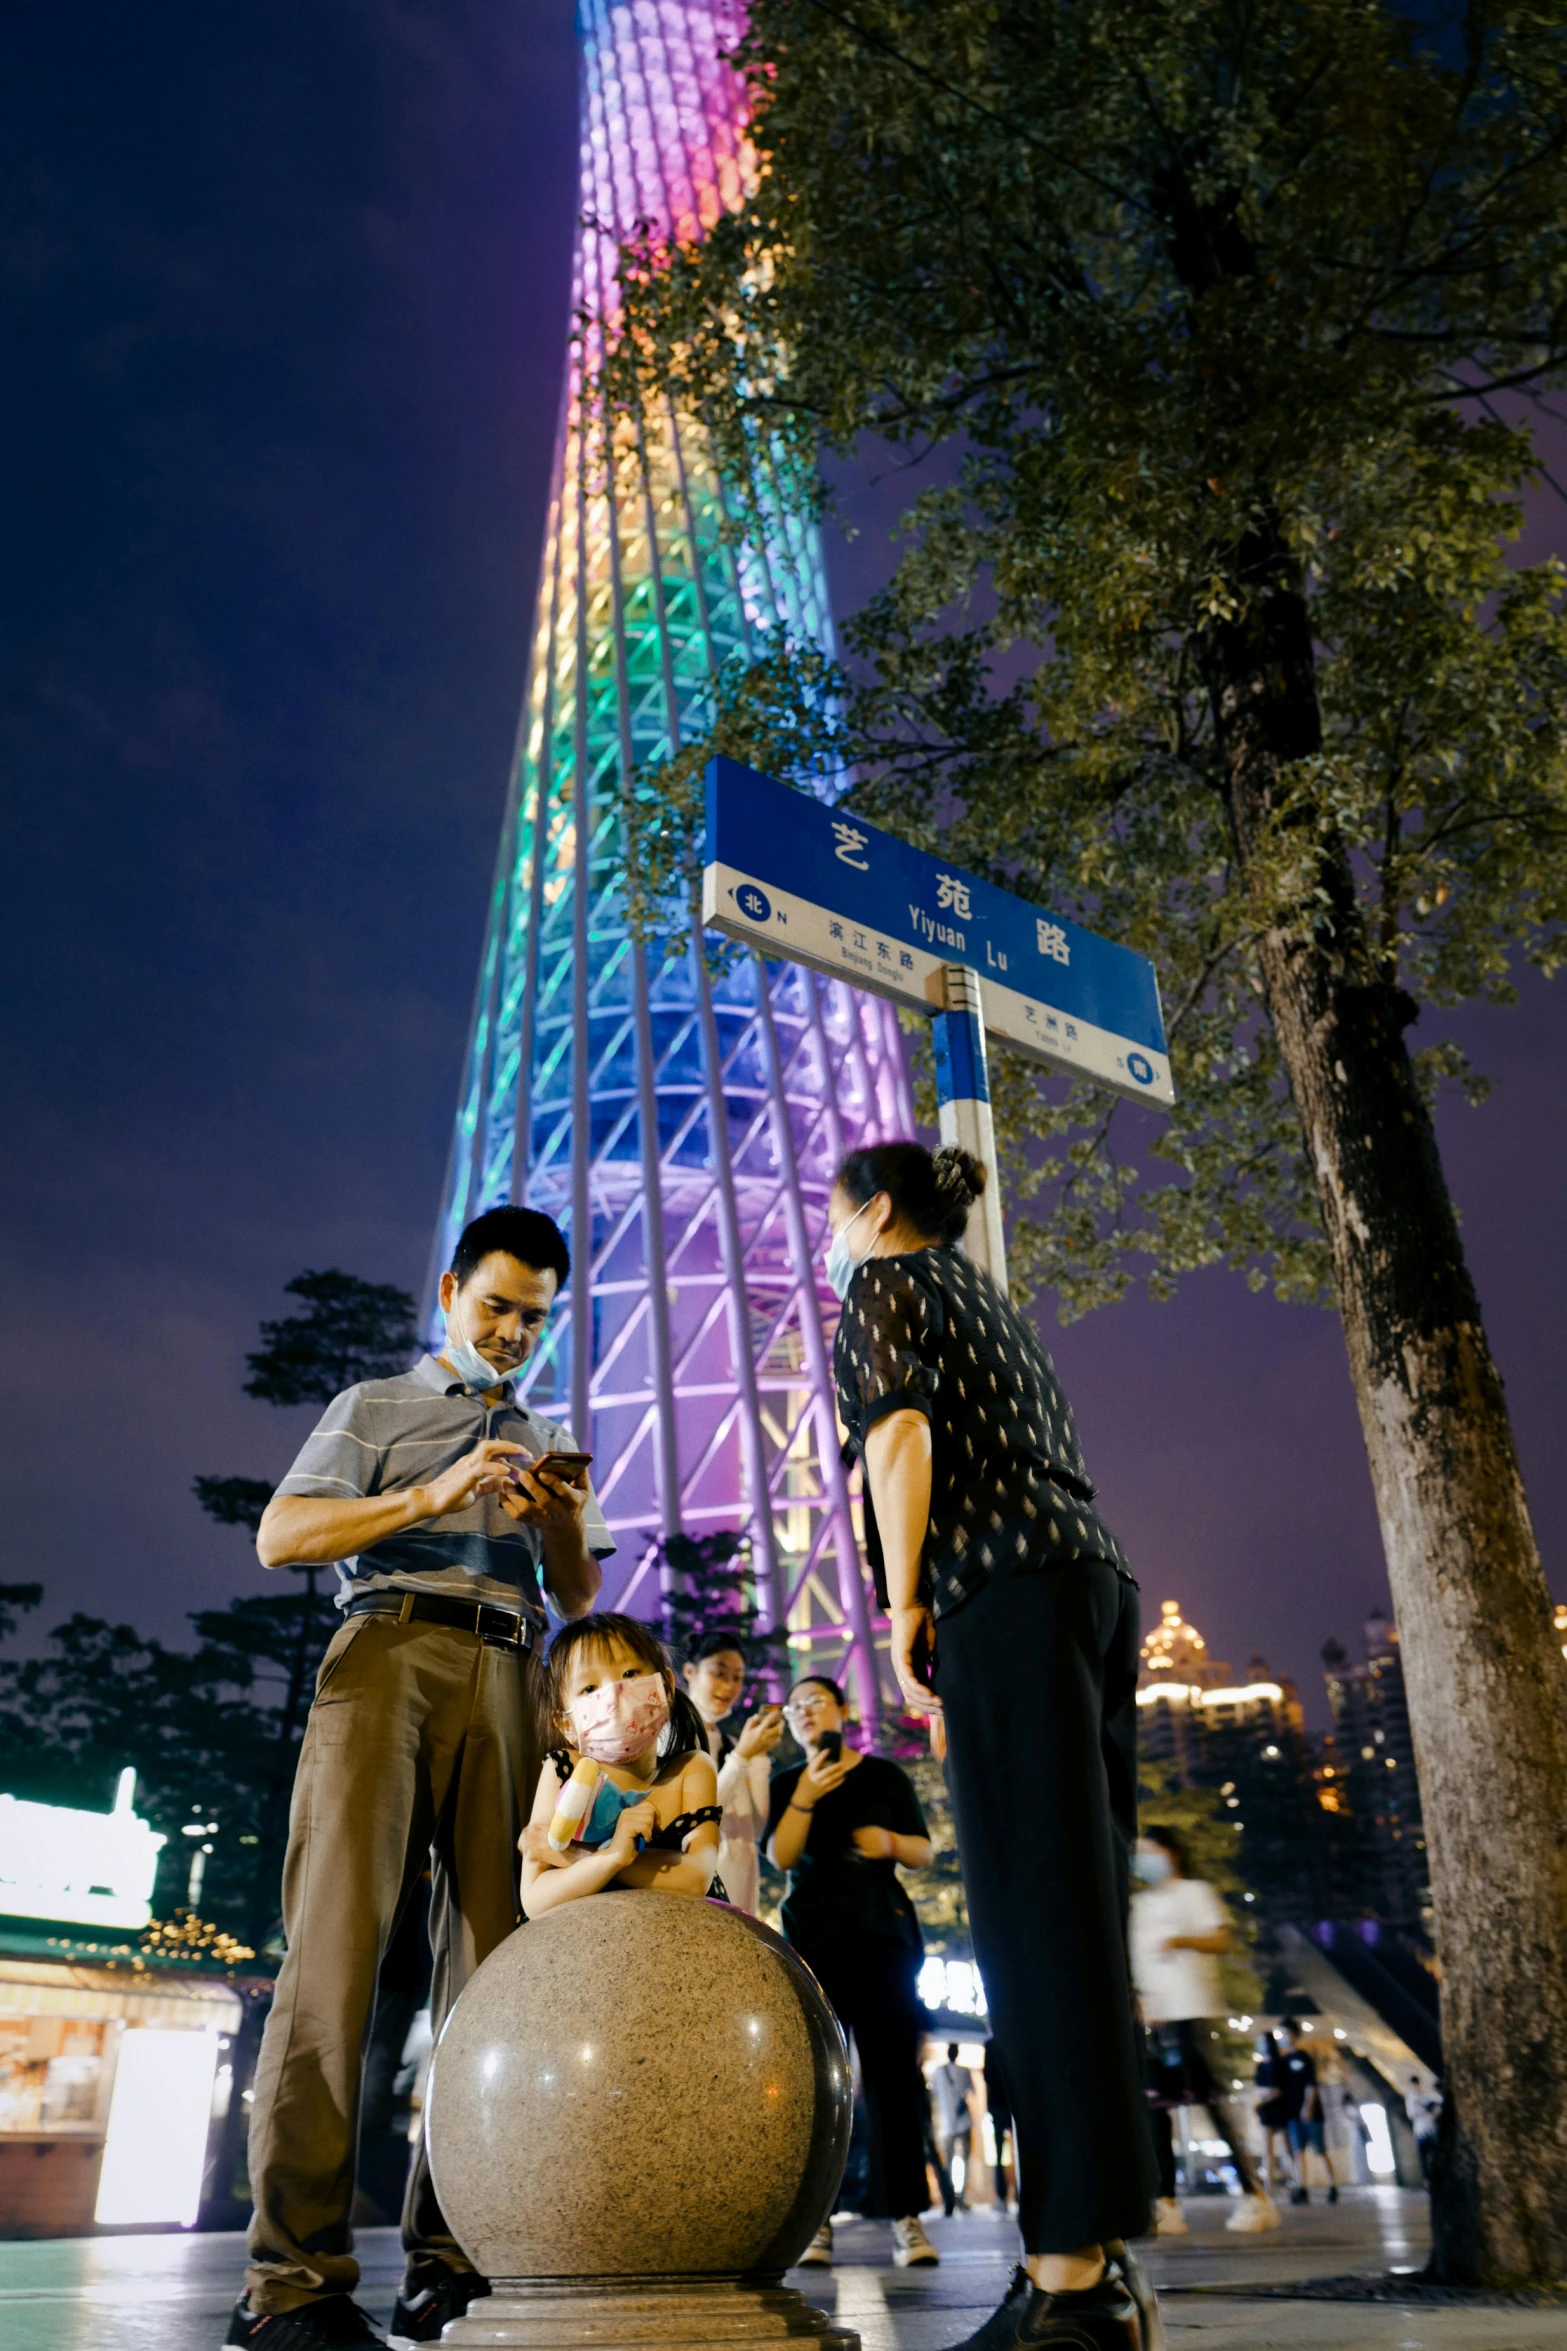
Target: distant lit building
1373,1776
1243,1736
1561,1624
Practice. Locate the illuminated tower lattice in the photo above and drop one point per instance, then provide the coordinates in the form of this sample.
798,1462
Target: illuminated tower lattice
683,1130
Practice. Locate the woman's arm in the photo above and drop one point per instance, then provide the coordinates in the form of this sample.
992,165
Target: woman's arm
887,1845
897,1469
818,1779
1214,1945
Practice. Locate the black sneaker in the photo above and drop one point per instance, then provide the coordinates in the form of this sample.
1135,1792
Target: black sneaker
1333,2194
1104,2318
433,2295
330,2318
1300,2195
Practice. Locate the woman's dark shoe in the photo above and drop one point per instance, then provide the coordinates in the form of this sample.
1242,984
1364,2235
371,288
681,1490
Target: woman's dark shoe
1102,2319
1140,2286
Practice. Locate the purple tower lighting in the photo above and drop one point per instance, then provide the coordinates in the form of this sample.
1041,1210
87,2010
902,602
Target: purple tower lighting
683,1130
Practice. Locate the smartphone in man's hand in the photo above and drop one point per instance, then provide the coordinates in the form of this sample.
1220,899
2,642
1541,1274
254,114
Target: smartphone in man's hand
571,1465
830,1744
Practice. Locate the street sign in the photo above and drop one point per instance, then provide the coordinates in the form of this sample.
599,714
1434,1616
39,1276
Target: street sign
797,878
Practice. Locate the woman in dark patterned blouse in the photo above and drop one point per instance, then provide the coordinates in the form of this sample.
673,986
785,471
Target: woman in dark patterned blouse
994,1563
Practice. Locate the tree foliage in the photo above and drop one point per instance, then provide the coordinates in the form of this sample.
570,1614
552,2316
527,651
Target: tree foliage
706,1585
15,1599
233,1502
1184,319
199,1726
212,1731
351,1330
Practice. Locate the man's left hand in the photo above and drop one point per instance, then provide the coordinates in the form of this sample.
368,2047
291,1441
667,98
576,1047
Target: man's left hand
545,1499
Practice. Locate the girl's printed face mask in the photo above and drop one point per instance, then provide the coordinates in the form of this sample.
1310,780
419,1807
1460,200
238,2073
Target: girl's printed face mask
620,1720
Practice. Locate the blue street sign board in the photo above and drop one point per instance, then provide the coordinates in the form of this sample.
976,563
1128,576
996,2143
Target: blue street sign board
795,877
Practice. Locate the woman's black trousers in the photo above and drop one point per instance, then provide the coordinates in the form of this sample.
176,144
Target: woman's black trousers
1038,1676
873,1983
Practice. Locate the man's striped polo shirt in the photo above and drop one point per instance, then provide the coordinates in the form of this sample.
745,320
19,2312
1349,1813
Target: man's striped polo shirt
387,1435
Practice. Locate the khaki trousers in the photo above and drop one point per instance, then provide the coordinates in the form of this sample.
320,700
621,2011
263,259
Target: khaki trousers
420,1747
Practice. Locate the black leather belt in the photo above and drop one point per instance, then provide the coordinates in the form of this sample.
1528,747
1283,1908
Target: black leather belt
499,1628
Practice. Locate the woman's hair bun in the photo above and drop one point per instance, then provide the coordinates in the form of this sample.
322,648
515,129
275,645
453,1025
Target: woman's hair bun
933,1192
959,1175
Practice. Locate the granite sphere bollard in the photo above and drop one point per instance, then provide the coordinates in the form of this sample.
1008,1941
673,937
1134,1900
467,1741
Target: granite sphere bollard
637,2117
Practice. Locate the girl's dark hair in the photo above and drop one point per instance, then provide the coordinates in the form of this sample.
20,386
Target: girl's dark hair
822,1683
933,1191
686,1734
717,1643
1174,1844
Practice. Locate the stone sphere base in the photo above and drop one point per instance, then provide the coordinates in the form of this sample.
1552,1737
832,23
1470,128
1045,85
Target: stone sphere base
641,2314
638,2085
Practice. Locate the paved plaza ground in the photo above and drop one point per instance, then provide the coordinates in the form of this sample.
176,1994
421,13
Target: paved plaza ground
172,2293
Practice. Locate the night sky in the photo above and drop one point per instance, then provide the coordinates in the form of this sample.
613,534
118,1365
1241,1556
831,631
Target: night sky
286,298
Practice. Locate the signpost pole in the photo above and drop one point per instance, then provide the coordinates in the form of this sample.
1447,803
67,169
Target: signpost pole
963,1096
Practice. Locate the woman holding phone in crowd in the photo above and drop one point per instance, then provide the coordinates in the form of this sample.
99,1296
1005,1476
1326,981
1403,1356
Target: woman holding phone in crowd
842,1824
715,1677
1015,1619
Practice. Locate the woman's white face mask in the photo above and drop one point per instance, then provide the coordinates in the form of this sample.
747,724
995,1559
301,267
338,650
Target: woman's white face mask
841,1265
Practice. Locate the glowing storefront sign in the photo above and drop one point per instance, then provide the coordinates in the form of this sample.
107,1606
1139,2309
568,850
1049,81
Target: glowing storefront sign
84,1868
952,1985
156,2147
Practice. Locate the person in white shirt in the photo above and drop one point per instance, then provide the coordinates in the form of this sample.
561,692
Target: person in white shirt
954,2088
1424,2109
1180,1931
715,1676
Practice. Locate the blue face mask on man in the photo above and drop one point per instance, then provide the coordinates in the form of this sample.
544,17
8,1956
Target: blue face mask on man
841,1267
472,1368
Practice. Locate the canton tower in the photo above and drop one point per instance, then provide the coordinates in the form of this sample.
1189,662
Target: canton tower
682,1129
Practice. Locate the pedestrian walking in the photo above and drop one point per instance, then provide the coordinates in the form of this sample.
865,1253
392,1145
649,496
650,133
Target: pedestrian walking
1180,1931
935,2162
435,1496
842,1824
1010,1595
715,1677
1295,2074
953,2085
1424,2109
998,2107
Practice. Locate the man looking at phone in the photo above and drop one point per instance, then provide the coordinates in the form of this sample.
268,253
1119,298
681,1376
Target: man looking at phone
442,1501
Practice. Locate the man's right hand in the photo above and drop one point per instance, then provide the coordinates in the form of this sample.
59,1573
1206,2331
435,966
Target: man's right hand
479,1472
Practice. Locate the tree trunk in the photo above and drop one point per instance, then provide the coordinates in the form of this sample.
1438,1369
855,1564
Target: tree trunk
1485,1678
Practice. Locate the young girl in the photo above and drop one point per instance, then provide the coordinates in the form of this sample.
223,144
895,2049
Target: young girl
609,1690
